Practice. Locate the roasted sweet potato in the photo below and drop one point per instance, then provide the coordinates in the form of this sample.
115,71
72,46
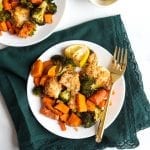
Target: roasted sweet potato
62,107
90,106
64,117
43,80
47,64
36,81
99,96
52,71
37,68
48,18
74,120
47,102
62,125
81,103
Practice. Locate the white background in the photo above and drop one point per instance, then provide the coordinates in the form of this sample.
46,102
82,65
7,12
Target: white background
136,18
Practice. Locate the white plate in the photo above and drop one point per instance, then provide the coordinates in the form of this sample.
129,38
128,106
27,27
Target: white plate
52,125
41,33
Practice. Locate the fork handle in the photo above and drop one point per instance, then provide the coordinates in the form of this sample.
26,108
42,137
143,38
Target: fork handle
100,128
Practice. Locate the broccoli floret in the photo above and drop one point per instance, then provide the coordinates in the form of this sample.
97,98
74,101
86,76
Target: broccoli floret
5,15
65,96
38,13
87,119
27,3
88,86
62,63
52,7
37,90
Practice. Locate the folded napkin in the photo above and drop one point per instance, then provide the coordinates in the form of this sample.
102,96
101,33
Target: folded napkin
15,64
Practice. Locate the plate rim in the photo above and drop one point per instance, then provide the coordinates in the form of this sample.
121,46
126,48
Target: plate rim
120,106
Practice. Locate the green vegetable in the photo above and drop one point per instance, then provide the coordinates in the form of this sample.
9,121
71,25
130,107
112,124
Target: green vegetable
51,8
62,63
27,3
5,15
37,90
88,86
87,119
65,96
38,13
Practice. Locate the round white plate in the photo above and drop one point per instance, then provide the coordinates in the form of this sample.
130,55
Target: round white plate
52,125
42,32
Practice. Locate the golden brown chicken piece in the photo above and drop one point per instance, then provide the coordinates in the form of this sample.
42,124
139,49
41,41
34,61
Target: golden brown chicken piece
70,80
99,73
20,16
52,88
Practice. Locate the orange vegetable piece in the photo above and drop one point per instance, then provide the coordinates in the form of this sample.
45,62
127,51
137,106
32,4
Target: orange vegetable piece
43,80
62,107
36,81
62,125
6,5
27,30
74,120
52,71
47,64
36,1
81,103
48,18
49,113
14,3
37,68
90,105
64,117
102,104
47,102
3,26
9,27
99,96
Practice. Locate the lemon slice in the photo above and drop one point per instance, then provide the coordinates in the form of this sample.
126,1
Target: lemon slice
79,53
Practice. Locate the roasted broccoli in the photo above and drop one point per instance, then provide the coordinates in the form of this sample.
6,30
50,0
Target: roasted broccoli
27,3
38,13
52,8
87,119
5,15
65,96
88,86
37,90
62,63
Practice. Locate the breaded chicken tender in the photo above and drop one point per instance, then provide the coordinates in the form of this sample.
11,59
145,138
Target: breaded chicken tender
20,16
52,88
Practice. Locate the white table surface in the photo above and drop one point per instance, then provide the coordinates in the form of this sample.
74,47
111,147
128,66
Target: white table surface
136,17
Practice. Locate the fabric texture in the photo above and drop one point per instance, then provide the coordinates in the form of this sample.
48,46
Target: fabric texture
15,64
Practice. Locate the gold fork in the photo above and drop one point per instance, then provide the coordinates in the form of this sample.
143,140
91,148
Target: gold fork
117,69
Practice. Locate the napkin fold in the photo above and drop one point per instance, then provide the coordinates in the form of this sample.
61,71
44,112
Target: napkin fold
15,64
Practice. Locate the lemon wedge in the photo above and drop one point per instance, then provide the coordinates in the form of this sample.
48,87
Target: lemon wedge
79,53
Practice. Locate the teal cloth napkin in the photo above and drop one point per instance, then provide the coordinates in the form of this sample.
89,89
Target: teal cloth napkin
15,64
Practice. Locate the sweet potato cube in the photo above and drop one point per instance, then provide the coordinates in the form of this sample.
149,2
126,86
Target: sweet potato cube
47,102
74,120
62,107
90,105
64,117
81,103
37,68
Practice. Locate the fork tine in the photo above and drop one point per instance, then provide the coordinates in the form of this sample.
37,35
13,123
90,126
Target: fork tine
118,55
125,58
115,53
121,57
